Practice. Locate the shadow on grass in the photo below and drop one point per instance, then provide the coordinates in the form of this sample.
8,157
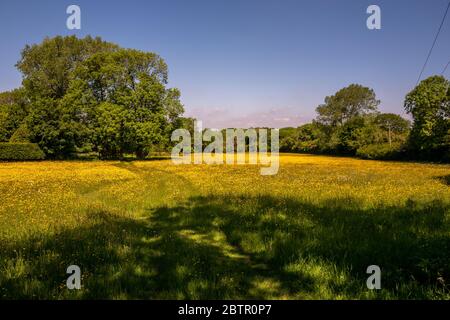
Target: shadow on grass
224,247
445,180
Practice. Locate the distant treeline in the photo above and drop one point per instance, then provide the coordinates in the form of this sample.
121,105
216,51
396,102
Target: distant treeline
349,123
82,96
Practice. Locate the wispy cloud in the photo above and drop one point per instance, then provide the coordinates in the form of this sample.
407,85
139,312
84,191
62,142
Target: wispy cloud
273,118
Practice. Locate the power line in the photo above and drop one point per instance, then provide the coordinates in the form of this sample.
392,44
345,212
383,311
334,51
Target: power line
445,68
434,42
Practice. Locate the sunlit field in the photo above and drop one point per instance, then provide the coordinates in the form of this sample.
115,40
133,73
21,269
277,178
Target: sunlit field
153,230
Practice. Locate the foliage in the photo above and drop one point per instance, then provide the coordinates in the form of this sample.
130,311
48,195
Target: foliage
13,110
127,107
395,128
47,67
305,138
87,94
54,136
347,122
20,151
349,102
383,151
429,105
94,96
21,135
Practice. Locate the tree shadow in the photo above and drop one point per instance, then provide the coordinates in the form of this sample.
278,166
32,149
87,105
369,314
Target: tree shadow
445,179
230,247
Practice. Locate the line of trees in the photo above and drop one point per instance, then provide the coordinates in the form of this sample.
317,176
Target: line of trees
88,95
91,96
349,123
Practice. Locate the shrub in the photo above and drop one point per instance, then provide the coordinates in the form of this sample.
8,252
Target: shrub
21,135
383,151
20,152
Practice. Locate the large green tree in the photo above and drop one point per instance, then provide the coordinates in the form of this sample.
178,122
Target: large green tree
88,94
47,67
130,87
349,102
428,103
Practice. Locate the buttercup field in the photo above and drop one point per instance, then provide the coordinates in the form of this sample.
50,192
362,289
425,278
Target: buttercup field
155,230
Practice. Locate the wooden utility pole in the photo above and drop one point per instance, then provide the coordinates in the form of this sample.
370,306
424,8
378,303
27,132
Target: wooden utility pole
389,130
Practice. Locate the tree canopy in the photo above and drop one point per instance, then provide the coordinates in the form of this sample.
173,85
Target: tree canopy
347,103
349,123
88,94
429,105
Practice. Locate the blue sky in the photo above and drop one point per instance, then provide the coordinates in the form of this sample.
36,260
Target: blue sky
250,62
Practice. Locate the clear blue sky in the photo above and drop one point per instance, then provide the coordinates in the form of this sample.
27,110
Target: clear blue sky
251,62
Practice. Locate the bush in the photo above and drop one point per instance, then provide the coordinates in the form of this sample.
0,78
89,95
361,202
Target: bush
21,135
380,151
20,152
